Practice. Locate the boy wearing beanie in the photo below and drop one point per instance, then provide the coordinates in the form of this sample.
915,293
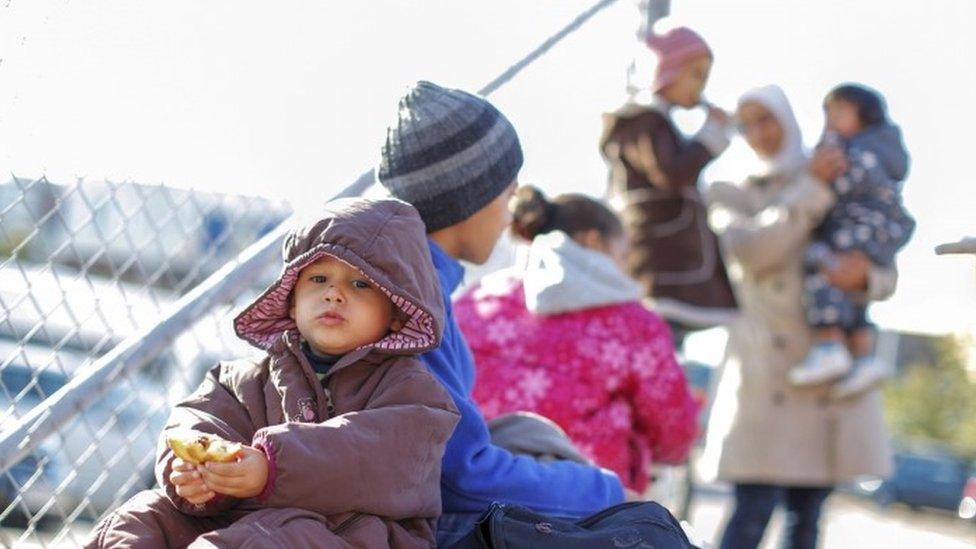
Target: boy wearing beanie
456,158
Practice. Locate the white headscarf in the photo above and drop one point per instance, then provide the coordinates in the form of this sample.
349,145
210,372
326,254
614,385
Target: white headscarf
791,154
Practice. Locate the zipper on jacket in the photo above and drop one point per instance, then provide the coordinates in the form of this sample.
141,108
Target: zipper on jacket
329,407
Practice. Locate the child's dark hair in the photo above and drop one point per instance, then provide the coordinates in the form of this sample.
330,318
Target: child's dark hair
870,105
572,213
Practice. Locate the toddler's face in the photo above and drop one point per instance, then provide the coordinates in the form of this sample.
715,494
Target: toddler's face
686,89
337,309
842,118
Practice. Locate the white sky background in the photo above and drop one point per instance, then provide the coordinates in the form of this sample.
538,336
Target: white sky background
291,98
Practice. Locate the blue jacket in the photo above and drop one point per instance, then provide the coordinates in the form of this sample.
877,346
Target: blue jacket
475,473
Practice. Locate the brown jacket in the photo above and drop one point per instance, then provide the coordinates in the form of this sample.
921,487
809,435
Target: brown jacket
363,447
653,176
762,429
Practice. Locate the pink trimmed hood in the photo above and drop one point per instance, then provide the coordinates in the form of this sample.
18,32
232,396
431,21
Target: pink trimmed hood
385,240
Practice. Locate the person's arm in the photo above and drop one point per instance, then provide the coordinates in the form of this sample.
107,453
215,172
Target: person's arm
714,134
854,273
211,409
656,152
666,413
764,241
682,163
383,460
734,197
882,282
477,473
761,242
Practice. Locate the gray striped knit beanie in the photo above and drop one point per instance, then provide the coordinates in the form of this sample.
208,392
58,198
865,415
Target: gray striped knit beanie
448,153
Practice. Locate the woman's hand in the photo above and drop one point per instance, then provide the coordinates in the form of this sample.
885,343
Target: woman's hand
720,116
630,495
243,478
189,483
848,271
827,164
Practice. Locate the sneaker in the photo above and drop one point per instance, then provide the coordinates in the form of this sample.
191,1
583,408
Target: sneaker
825,362
867,374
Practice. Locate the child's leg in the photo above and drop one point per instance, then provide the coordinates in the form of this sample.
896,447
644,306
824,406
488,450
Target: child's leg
860,332
149,519
869,370
818,254
818,297
861,342
284,527
829,334
827,311
293,527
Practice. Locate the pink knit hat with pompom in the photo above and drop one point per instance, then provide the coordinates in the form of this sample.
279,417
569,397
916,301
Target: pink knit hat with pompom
673,49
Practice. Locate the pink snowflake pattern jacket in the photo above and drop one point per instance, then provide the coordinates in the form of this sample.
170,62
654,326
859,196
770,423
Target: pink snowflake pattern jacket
567,338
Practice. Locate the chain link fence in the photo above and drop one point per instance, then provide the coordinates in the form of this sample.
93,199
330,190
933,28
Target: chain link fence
82,267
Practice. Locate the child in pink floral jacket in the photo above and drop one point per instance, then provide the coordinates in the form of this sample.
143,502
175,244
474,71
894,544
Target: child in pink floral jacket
566,336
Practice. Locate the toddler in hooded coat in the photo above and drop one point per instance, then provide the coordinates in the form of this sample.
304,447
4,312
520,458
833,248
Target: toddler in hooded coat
869,217
347,425
654,172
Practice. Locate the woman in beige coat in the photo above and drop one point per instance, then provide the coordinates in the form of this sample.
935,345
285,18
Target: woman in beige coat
776,443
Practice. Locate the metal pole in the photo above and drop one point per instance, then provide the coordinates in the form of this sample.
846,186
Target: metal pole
650,12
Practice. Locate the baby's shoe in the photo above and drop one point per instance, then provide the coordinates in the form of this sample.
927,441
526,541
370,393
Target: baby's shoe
868,372
825,362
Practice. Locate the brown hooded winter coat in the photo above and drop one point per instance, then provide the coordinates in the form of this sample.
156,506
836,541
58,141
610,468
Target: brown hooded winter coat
355,459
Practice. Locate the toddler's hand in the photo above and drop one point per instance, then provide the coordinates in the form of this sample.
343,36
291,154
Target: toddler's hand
189,483
243,478
719,115
827,164
630,495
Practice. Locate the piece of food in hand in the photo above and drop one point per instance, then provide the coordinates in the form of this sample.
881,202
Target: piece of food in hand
198,448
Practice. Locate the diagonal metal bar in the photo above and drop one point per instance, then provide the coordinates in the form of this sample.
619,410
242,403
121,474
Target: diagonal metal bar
19,439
